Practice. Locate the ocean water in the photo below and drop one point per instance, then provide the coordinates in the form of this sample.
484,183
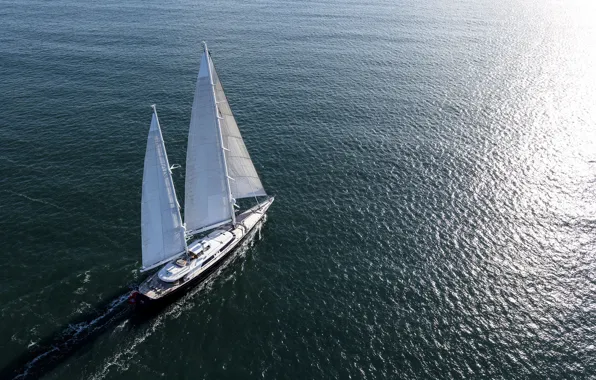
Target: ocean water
434,165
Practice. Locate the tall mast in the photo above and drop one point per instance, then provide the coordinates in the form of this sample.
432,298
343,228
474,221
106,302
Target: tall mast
221,141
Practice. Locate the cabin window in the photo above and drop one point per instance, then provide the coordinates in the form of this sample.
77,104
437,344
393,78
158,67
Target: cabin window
207,260
226,245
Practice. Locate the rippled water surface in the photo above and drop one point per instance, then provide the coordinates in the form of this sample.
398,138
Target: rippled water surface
434,165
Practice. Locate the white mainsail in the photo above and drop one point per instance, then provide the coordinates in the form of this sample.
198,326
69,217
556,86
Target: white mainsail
246,182
208,200
162,230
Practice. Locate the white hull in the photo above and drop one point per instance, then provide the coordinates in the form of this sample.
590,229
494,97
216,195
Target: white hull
154,288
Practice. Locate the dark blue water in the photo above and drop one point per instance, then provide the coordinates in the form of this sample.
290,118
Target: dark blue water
434,165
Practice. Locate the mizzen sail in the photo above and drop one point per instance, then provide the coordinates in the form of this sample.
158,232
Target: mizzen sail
246,182
207,200
161,225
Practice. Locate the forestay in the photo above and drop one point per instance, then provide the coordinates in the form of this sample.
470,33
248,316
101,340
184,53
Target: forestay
161,225
245,180
207,200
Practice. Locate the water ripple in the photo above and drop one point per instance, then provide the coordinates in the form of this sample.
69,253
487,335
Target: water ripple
433,165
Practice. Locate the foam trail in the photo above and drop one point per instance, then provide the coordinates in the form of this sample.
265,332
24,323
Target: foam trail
35,200
113,314
72,337
84,326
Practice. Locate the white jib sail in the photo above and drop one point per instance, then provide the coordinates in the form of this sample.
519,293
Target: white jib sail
162,230
246,182
207,200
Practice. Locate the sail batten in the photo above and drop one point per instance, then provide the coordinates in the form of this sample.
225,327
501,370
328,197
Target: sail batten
162,230
240,166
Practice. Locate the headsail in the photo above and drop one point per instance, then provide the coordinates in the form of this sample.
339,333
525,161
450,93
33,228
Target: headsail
207,200
161,225
246,182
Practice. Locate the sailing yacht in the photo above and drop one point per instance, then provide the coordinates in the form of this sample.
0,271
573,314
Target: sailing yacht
219,171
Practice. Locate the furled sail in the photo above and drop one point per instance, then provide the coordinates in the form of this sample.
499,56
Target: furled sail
207,200
246,182
161,225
